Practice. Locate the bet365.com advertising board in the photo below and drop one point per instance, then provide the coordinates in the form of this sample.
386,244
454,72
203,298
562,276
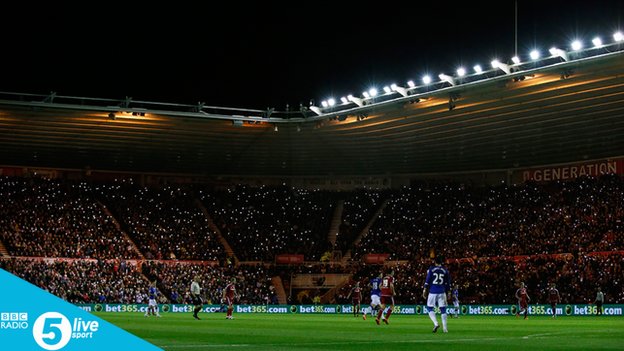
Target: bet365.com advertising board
475,310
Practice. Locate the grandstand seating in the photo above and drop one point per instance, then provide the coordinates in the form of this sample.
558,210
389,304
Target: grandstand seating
570,233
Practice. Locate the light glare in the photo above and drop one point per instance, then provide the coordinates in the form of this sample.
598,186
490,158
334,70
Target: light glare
577,45
461,71
534,55
426,79
618,36
597,42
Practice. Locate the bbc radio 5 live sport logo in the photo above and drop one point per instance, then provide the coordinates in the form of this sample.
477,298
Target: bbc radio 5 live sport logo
53,331
13,320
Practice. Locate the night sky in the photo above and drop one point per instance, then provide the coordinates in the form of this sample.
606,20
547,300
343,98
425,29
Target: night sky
268,55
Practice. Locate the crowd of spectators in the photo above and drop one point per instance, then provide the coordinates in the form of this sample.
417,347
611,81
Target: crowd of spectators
164,222
583,215
47,218
358,209
83,281
260,222
570,231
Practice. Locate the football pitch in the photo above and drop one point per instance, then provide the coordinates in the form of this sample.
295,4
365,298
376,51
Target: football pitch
179,332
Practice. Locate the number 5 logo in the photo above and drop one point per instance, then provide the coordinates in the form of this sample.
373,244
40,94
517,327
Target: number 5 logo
52,331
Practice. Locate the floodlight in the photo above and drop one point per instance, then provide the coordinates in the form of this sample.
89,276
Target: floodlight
515,60
597,42
446,78
411,84
577,45
478,69
618,36
534,55
366,95
331,102
426,79
461,71
399,89
344,100
503,66
324,103
372,92
558,52
387,89
355,100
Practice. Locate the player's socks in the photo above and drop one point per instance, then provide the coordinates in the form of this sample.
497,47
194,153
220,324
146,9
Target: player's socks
388,314
433,318
444,324
379,314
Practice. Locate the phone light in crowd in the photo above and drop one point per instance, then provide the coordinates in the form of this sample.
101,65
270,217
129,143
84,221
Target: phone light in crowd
426,79
478,69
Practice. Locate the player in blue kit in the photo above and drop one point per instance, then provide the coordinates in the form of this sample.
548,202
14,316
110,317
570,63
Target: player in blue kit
437,286
375,293
455,295
152,307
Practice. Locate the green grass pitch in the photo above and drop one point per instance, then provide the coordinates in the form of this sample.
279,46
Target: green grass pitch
179,332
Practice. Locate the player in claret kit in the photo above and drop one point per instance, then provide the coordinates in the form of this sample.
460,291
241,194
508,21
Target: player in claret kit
554,299
228,297
387,298
438,284
356,295
523,301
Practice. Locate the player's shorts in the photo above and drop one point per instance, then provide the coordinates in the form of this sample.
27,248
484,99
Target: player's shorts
152,303
523,304
197,301
356,302
436,300
387,300
456,303
229,301
375,300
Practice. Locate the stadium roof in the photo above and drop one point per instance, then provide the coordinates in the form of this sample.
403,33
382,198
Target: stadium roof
566,109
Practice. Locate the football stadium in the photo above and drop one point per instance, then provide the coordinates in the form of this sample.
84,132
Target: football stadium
477,209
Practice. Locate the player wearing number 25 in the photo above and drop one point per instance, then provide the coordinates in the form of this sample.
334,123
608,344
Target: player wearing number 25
437,286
